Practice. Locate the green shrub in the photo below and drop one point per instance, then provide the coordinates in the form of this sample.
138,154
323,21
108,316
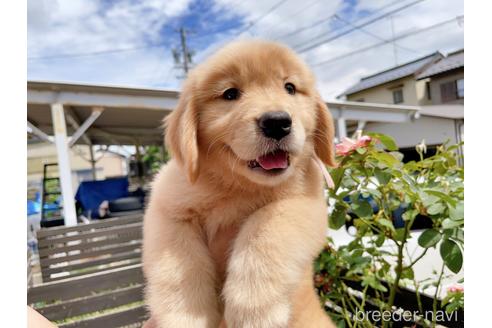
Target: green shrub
372,184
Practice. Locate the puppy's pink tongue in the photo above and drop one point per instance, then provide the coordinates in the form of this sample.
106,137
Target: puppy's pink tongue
276,160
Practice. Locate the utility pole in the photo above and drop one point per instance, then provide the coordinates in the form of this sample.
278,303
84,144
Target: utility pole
184,49
184,56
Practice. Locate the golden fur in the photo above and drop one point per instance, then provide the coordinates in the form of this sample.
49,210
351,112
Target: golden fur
225,245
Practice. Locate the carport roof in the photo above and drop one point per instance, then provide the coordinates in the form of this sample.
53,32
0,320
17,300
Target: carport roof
130,115
134,115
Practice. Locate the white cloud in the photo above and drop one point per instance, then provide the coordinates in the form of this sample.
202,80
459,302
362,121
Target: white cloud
335,77
84,26
71,26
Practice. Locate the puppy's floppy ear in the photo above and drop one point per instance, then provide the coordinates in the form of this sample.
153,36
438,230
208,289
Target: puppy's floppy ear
181,133
324,134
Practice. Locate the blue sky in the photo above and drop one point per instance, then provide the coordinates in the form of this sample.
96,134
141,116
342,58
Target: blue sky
128,42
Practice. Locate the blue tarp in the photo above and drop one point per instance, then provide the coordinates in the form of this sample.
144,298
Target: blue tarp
92,193
34,205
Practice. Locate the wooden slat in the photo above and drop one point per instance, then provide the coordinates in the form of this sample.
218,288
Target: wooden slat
91,234
108,250
118,239
83,286
29,279
88,264
43,233
92,304
134,315
47,278
29,268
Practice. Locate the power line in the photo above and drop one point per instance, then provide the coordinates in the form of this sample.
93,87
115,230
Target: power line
299,11
96,53
268,12
321,21
372,34
251,24
306,27
319,43
380,9
455,19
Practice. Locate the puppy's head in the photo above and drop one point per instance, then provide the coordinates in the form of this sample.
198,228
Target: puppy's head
251,109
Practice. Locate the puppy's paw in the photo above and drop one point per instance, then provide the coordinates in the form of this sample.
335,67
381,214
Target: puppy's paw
275,316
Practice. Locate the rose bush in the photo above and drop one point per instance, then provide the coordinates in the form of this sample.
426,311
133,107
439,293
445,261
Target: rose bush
383,197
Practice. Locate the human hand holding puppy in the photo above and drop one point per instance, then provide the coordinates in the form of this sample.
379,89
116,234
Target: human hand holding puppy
237,217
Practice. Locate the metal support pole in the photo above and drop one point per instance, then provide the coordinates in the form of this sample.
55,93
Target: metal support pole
93,162
39,133
342,128
140,168
61,142
96,112
361,125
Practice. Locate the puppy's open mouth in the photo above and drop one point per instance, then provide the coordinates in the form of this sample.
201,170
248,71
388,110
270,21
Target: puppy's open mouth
274,162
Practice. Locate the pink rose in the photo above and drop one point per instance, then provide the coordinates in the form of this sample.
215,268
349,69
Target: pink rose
349,145
456,288
363,141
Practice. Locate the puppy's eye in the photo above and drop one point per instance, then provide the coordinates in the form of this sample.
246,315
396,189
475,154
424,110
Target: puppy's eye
291,89
231,94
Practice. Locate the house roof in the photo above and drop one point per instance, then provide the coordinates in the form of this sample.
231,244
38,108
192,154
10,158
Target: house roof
451,61
392,74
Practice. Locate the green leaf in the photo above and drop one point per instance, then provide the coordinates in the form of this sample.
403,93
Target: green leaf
337,218
337,175
386,223
385,158
387,141
379,241
457,212
429,238
448,199
373,282
375,193
451,255
435,209
399,234
428,199
410,214
399,156
382,176
361,150
362,209
407,273
450,224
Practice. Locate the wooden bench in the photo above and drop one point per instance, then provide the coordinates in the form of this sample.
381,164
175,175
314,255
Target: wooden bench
92,274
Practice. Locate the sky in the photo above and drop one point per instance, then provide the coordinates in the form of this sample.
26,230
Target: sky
130,43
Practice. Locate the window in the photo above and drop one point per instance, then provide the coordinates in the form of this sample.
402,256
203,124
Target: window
448,91
398,96
360,100
428,90
460,88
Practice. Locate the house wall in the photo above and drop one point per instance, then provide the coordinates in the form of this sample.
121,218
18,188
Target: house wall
435,85
112,166
434,130
414,92
44,153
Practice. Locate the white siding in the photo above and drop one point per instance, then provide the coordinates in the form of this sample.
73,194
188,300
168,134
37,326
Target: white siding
434,130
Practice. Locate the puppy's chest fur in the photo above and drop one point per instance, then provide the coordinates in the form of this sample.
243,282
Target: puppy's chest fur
221,223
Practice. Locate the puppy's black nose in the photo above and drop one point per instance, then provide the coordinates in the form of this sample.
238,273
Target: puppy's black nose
275,125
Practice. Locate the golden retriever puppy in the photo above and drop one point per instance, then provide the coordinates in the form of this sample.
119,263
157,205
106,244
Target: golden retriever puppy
237,217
